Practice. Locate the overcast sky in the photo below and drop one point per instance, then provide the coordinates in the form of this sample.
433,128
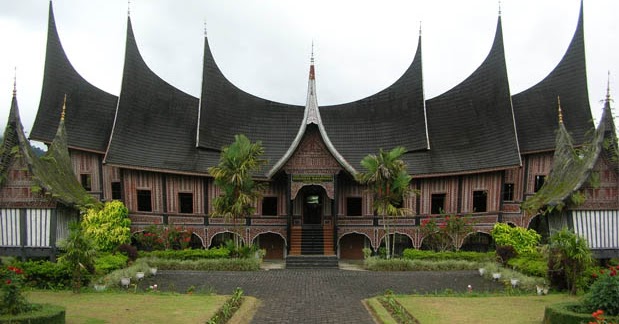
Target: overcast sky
264,46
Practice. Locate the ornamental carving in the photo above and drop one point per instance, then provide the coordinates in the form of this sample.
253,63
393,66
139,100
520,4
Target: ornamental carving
312,156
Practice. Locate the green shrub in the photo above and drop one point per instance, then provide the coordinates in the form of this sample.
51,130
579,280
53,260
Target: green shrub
522,239
568,260
249,264
569,313
45,314
604,292
189,254
379,264
46,275
108,226
532,264
108,262
505,253
414,254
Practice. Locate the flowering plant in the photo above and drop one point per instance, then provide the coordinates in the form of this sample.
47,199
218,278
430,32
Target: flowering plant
604,292
598,315
12,302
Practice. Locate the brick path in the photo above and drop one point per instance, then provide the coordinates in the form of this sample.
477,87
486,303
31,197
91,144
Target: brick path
318,296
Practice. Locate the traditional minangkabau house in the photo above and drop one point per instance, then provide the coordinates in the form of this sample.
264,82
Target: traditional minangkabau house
39,196
475,150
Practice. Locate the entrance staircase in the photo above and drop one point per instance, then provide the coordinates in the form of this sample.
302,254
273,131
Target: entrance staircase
311,246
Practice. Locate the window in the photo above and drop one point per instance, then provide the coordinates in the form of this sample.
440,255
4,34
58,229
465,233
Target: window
354,206
144,201
185,202
269,206
539,182
480,201
86,180
508,191
116,191
438,203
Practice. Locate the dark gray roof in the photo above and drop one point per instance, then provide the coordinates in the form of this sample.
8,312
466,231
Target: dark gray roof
536,108
90,110
155,126
471,126
226,110
392,117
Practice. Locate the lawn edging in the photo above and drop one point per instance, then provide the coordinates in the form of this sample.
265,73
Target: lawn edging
228,309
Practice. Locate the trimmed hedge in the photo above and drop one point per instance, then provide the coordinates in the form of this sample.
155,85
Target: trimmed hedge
189,254
564,313
47,314
250,264
414,254
378,264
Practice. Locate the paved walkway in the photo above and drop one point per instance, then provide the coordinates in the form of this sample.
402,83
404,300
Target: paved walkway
318,296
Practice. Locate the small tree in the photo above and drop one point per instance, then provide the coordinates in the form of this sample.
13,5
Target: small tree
523,240
109,226
570,255
79,255
386,176
233,175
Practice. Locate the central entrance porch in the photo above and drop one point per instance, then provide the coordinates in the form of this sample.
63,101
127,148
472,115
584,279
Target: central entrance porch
312,226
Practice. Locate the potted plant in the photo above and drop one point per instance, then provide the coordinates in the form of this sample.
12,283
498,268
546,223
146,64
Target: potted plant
496,276
100,284
153,271
139,275
125,279
482,271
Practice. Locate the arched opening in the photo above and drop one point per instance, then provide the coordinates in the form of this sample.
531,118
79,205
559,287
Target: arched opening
273,244
540,224
222,239
437,242
351,246
313,202
195,242
478,242
398,242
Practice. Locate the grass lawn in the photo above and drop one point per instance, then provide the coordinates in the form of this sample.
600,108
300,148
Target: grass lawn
494,309
124,307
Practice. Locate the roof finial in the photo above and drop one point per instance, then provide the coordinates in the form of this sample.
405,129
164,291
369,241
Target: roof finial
560,111
15,82
64,108
499,8
312,57
128,7
608,88
420,28
204,27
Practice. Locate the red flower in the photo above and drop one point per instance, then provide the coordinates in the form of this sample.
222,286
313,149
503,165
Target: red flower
8,281
598,314
594,275
613,273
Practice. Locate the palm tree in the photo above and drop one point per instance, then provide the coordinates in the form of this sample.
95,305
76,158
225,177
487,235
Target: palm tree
233,175
387,178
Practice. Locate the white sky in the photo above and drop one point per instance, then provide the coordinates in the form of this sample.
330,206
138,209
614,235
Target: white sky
263,47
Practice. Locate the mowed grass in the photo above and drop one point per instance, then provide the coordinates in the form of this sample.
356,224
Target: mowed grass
494,309
124,307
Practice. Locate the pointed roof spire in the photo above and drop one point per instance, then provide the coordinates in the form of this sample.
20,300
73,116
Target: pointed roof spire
559,110
15,83
64,108
608,88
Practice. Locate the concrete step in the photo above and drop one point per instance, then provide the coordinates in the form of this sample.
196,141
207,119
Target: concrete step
311,262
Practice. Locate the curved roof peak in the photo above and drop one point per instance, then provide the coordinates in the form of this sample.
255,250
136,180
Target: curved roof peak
311,115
